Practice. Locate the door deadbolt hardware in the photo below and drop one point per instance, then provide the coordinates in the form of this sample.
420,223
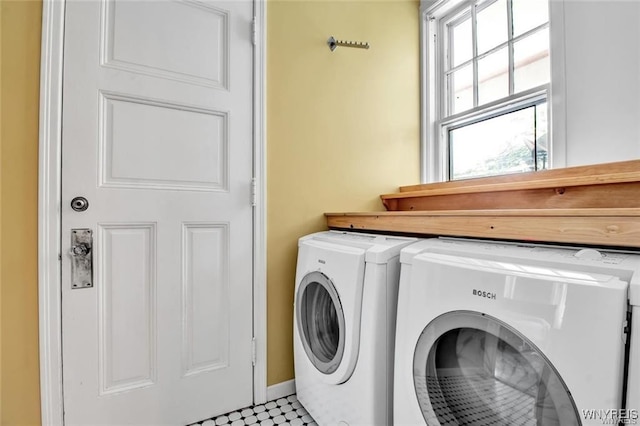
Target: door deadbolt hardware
79,204
81,259
81,249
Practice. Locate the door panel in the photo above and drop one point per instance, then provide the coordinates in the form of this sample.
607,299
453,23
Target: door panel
206,292
126,306
157,136
157,46
137,129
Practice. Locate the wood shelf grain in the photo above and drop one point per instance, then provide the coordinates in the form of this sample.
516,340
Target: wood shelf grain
595,205
611,185
622,171
598,227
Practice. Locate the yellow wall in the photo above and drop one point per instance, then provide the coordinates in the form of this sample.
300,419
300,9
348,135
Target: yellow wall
0,214
343,127
20,61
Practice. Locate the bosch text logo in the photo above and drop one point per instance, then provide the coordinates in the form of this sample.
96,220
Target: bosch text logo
485,294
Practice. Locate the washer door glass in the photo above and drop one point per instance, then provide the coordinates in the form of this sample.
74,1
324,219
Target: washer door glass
472,369
320,321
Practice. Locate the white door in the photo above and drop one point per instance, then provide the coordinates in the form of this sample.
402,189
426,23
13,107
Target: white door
157,136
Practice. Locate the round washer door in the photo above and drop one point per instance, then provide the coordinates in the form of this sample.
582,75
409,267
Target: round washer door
472,369
320,321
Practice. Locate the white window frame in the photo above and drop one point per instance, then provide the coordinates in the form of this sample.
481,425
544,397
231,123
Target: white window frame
434,161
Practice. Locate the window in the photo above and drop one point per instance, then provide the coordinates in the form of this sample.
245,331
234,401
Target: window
487,84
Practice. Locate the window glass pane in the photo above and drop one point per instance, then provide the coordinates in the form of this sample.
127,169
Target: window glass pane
529,14
492,25
493,76
501,145
542,144
531,61
461,42
462,83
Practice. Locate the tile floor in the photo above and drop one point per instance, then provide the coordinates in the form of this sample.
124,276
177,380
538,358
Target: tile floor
284,411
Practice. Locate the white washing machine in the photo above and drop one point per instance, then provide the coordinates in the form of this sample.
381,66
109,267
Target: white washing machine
505,334
344,328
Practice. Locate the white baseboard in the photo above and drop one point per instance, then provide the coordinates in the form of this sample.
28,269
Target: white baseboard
280,390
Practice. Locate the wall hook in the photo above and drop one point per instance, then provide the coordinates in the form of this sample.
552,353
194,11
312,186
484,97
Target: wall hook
333,43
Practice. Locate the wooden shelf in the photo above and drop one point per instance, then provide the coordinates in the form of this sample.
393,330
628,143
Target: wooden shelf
611,185
595,205
599,227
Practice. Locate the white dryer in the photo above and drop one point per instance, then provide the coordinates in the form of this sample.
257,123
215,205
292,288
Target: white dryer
505,334
345,310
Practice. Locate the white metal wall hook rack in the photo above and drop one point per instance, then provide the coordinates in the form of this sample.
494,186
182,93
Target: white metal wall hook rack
333,43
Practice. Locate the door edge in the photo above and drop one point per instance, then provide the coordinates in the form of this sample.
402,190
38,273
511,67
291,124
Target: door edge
49,195
260,209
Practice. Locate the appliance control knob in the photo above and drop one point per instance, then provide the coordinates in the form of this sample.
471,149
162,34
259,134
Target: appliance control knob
589,254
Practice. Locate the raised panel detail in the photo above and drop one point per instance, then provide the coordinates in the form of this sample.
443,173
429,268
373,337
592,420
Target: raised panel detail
175,40
158,145
127,306
205,273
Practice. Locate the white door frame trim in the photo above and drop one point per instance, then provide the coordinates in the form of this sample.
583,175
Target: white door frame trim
49,211
260,210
